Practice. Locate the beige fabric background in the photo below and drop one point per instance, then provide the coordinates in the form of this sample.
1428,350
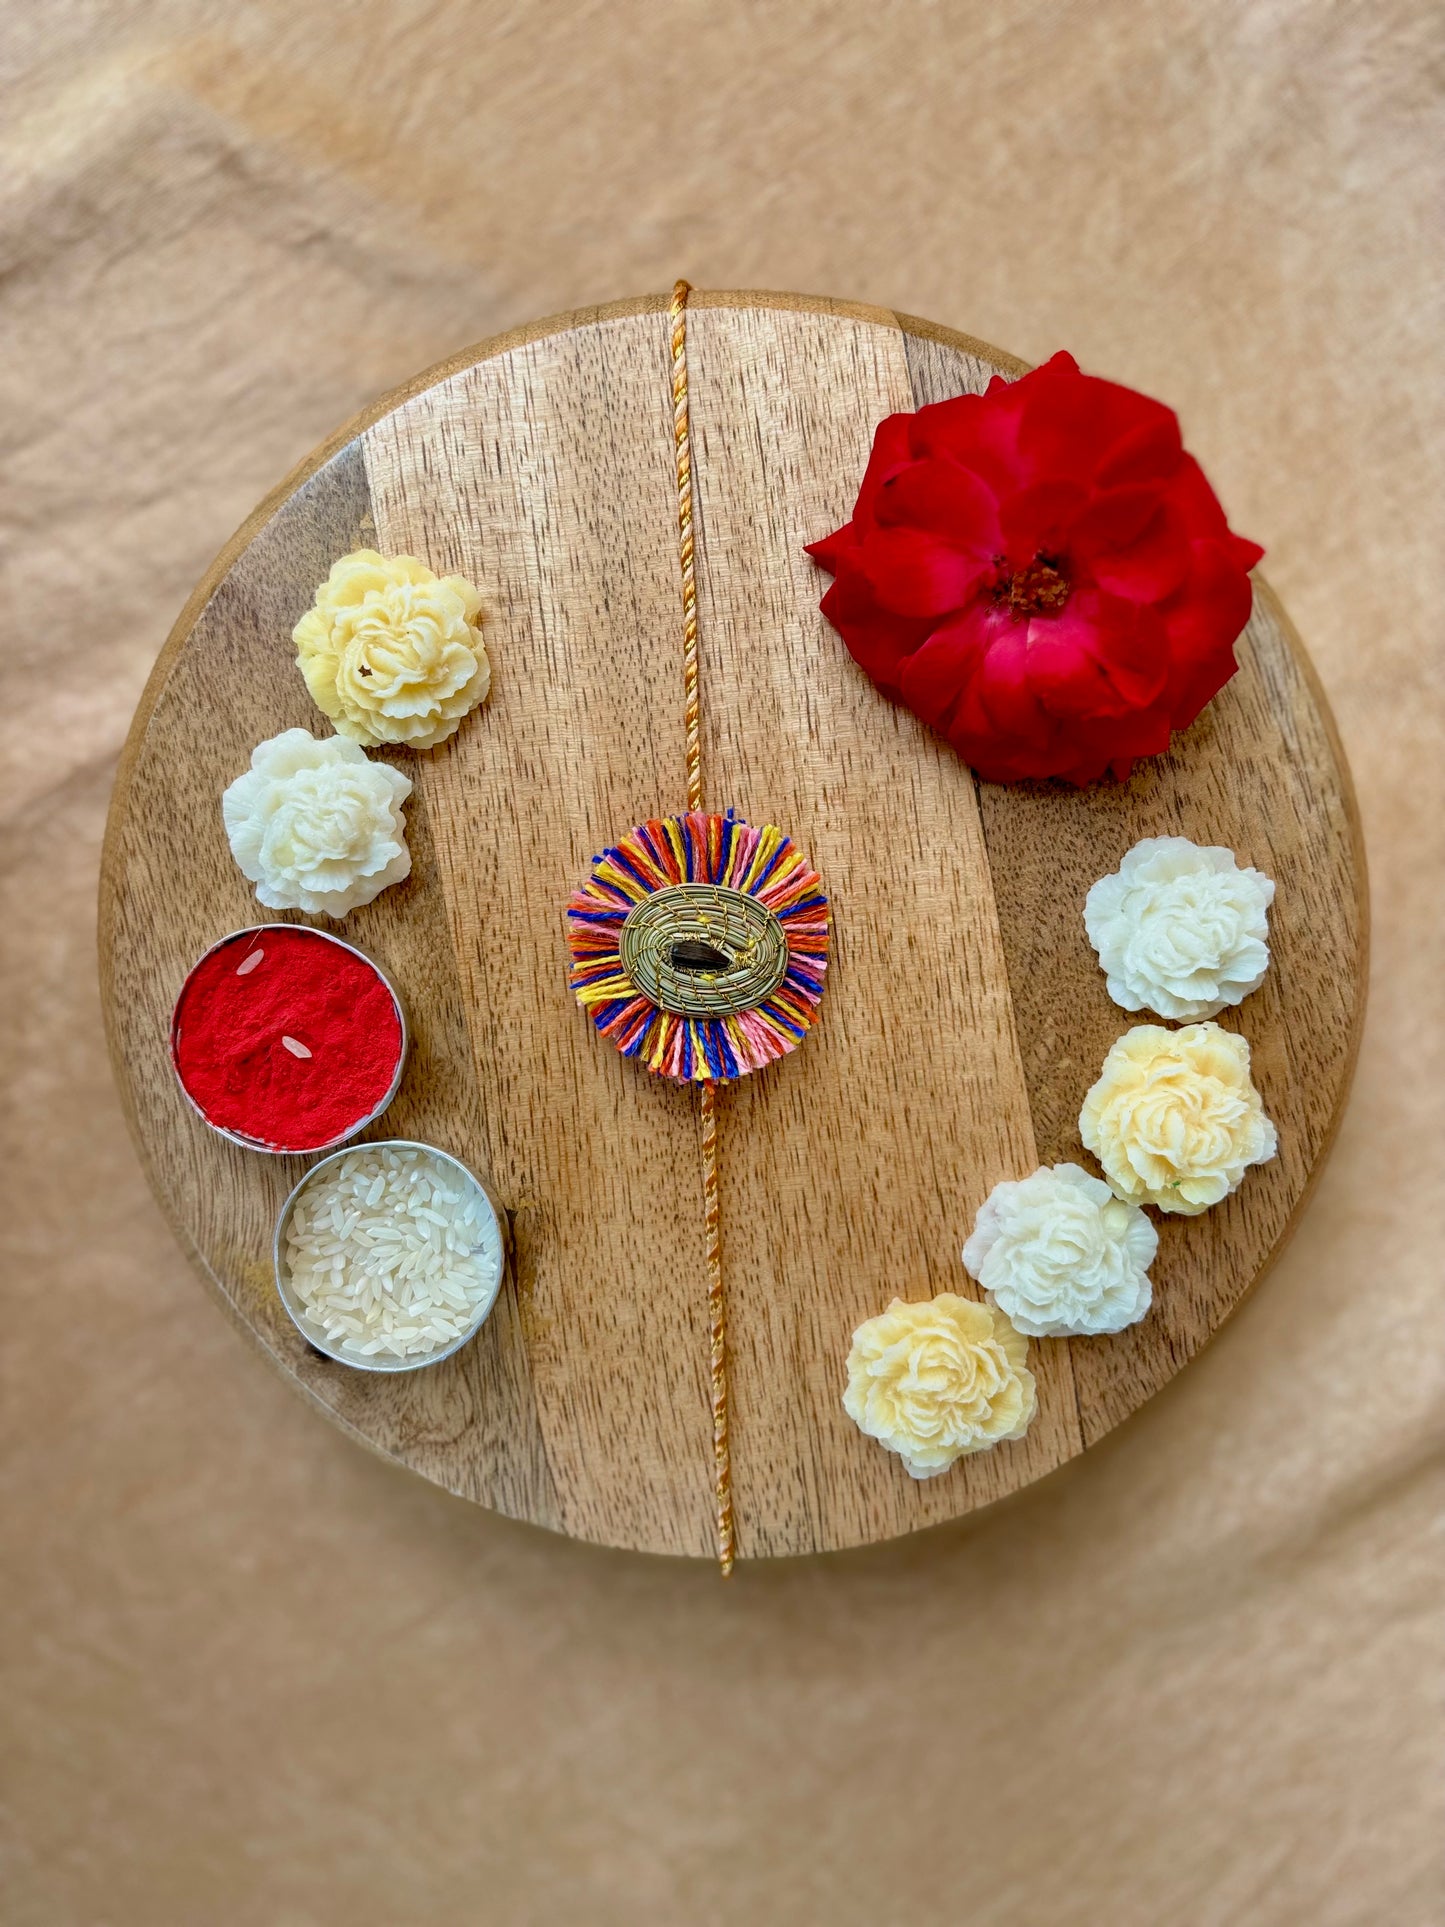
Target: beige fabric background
251,1676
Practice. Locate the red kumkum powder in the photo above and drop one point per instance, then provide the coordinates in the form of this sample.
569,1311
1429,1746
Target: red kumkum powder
284,1036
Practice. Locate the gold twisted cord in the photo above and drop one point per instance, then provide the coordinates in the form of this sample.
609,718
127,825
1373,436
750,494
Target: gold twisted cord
682,441
692,721
717,1334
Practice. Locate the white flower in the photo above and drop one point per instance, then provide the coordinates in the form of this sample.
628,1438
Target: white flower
1179,929
315,825
936,1380
1061,1255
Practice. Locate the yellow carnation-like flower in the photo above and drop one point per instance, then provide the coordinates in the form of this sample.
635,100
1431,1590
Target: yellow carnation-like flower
934,1381
1175,1119
392,653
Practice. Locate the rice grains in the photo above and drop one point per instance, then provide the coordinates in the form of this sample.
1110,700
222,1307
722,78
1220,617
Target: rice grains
392,1252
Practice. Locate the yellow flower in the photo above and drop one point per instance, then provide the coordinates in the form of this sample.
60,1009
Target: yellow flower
1174,1118
392,653
936,1380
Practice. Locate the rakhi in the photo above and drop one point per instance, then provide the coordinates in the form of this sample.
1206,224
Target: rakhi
699,943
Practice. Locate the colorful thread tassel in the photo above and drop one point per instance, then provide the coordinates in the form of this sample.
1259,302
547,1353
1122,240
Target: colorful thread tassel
698,847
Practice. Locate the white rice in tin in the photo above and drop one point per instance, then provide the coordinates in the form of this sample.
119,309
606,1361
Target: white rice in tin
392,1253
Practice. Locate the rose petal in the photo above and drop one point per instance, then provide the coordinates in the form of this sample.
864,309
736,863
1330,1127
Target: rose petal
1073,425
1114,518
942,499
1198,509
1060,362
1148,452
1147,568
1202,621
1065,427
933,678
878,639
890,452
1100,653
830,550
1005,687
977,435
1039,517
918,574
1065,677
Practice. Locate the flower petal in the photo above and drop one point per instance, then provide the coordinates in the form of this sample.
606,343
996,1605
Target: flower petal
919,574
1075,422
1101,653
1203,620
1066,678
940,498
1040,517
1148,452
878,639
933,678
1198,508
1145,568
890,452
1005,685
979,433
829,551
1115,518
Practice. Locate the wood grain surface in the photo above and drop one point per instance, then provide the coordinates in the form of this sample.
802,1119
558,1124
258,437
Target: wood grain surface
965,1013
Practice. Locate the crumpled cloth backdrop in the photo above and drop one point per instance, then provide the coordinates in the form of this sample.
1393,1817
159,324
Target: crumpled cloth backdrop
252,1675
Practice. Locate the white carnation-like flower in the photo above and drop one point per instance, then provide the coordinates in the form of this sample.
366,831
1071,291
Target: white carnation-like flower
1061,1255
1180,930
317,826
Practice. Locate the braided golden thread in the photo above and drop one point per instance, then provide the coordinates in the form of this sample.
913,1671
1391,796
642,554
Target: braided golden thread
682,441
692,722
717,1332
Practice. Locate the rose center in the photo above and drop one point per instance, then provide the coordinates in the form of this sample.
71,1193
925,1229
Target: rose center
1040,588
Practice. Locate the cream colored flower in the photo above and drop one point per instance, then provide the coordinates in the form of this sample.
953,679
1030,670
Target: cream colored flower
936,1380
391,652
1180,929
1060,1255
1174,1118
317,826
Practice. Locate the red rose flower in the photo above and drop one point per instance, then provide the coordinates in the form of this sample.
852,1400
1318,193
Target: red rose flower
1042,574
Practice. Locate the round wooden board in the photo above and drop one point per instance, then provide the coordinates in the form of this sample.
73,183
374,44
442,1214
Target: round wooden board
965,1014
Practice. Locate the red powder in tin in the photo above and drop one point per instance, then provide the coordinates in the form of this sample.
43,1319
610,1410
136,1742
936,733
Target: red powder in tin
231,1018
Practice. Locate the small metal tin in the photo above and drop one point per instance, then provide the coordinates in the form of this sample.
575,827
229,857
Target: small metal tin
291,1150
313,1335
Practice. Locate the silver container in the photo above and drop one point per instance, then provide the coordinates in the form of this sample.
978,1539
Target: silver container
314,1335
292,1151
